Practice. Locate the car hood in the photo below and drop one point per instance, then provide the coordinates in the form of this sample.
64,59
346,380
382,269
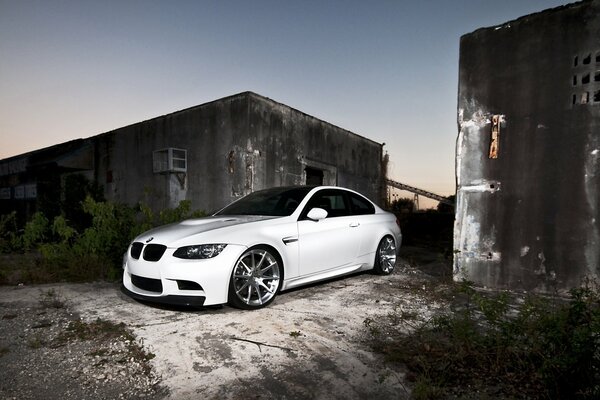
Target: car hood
169,234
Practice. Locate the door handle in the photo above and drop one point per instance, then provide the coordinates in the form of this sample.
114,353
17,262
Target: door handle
354,224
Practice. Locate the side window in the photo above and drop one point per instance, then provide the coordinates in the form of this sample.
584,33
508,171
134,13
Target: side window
331,200
360,205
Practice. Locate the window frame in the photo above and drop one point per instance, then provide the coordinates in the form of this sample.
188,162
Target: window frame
347,198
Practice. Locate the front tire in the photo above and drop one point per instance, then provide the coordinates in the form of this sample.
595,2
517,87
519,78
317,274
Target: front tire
385,256
256,278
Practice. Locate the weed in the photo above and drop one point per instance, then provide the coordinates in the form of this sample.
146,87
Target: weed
99,352
104,330
51,299
295,334
36,230
496,347
76,252
98,329
36,341
10,241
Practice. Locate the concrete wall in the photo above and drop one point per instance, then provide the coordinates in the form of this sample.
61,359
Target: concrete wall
529,219
291,141
234,145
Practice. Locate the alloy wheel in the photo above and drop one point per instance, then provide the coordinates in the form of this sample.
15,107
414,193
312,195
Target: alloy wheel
256,277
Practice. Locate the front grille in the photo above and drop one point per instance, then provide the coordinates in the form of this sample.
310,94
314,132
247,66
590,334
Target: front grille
153,252
149,284
188,285
136,249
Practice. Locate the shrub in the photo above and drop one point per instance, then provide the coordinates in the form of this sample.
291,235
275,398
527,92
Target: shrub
540,348
94,253
36,231
10,241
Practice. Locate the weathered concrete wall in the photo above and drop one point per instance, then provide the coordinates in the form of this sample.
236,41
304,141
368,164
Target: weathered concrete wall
207,132
529,219
234,145
292,141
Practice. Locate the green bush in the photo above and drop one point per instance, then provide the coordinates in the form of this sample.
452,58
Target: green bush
490,347
10,241
96,252
36,231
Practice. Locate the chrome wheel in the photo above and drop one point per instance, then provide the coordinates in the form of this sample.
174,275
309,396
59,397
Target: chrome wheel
385,260
255,279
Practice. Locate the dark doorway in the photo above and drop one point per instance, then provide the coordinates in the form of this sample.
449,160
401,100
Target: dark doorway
314,176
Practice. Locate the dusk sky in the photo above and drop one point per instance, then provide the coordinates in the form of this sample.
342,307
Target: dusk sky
387,70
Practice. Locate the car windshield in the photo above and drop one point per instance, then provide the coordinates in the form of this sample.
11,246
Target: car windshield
279,202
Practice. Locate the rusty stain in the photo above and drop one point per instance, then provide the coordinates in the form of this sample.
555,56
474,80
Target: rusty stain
494,145
230,158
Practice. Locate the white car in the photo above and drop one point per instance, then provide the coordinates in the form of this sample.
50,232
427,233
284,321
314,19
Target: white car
270,240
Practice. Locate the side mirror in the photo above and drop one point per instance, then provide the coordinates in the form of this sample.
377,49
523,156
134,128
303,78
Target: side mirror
317,214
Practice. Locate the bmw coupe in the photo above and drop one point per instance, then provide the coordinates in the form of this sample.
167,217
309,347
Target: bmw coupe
268,241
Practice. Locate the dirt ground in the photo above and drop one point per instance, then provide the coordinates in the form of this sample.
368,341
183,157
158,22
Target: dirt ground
311,343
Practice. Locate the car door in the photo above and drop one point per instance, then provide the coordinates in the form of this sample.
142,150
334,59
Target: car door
332,242
370,225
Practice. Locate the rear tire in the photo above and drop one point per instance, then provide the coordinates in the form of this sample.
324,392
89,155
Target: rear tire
256,278
385,256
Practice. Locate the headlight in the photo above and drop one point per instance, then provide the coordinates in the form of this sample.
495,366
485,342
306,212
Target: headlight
199,251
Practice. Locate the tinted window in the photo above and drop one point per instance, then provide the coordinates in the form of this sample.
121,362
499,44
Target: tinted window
276,202
331,200
360,205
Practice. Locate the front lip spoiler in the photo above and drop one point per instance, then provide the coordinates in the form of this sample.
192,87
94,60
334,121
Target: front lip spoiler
189,301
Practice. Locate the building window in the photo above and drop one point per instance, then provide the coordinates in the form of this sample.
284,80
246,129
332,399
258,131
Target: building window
314,176
586,73
585,79
5,193
169,160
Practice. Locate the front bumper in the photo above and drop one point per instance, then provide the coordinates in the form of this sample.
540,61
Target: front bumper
172,280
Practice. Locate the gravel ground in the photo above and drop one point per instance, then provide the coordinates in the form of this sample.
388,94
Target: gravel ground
41,357
310,343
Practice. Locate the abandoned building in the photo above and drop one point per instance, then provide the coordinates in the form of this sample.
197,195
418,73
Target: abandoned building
210,154
528,152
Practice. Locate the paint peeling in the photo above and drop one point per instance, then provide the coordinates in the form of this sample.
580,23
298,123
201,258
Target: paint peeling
495,141
542,269
482,186
592,194
479,119
492,256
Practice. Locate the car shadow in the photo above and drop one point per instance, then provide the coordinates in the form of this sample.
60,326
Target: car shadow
226,308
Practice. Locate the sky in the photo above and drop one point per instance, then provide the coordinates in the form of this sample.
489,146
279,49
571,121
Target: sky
386,70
